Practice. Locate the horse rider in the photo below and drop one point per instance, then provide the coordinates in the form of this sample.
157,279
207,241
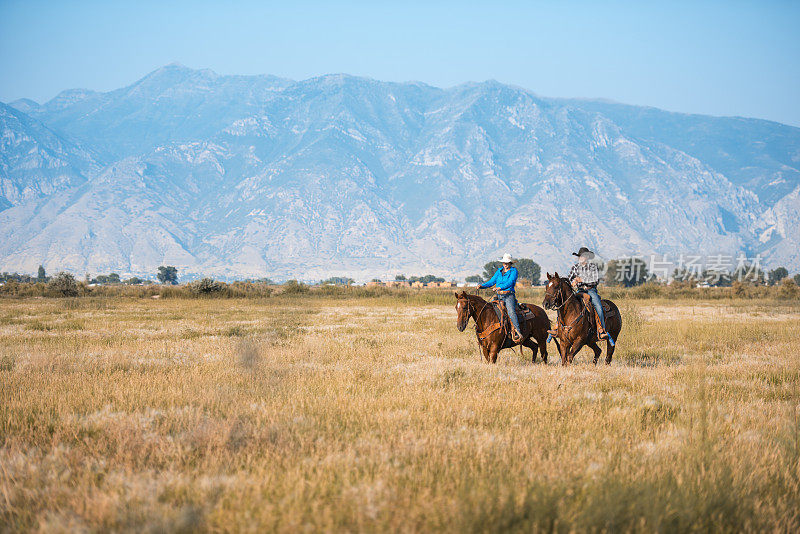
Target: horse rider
584,277
504,281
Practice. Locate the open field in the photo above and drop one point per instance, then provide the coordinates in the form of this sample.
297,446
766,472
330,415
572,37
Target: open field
296,413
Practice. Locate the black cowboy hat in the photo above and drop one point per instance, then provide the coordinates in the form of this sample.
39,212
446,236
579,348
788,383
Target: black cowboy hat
582,251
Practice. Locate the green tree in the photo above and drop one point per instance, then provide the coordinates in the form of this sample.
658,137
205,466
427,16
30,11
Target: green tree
627,272
474,279
134,281
717,278
797,279
490,268
526,268
427,279
112,278
529,270
168,274
338,281
41,275
778,274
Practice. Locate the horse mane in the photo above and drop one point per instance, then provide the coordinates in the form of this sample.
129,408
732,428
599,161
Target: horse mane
473,298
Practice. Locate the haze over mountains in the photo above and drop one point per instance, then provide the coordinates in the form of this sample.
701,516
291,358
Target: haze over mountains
251,176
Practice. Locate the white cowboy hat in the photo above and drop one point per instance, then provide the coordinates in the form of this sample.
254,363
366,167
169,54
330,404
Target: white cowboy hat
507,258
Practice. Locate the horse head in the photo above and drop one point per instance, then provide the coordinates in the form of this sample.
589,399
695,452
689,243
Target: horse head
465,309
556,292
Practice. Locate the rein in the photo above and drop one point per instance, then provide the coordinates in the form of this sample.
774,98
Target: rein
564,303
482,335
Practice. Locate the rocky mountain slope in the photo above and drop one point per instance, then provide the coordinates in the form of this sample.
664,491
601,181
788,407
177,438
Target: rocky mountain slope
339,175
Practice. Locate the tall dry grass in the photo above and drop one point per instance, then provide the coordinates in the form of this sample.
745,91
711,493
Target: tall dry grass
372,413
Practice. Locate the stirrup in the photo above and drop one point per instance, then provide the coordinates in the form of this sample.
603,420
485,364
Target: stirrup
605,335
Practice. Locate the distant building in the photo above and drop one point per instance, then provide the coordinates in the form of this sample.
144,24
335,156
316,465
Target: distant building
397,283
417,284
374,283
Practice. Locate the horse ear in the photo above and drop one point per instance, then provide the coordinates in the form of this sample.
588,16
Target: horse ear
456,294
548,275
555,275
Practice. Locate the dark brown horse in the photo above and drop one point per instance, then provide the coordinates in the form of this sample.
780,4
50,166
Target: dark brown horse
492,337
576,324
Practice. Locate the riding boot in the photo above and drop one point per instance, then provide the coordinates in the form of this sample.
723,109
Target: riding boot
516,337
601,333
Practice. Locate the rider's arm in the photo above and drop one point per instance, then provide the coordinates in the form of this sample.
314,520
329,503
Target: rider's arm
492,281
573,273
509,283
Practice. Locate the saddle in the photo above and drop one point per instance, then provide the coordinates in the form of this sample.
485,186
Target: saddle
524,314
587,302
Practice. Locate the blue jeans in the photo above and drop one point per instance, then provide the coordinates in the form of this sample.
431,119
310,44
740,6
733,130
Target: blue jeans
596,302
510,300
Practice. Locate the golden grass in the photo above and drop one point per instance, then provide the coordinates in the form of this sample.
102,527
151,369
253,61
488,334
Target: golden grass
375,414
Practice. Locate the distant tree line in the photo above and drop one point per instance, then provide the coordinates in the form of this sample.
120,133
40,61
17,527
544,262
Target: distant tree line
338,281
425,279
623,272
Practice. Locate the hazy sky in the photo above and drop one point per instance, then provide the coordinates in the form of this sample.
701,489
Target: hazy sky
720,58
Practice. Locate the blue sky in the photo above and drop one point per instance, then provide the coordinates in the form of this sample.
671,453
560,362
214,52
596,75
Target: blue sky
719,58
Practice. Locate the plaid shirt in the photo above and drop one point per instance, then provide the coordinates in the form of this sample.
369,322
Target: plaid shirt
588,273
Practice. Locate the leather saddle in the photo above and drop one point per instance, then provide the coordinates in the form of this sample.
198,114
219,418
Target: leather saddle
504,322
524,314
587,302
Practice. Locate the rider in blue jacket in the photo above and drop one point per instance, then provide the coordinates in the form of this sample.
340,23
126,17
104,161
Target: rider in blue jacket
504,281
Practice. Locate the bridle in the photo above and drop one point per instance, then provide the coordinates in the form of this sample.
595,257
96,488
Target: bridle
561,294
564,303
471,310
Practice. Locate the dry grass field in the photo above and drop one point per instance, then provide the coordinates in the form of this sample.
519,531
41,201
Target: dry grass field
306,413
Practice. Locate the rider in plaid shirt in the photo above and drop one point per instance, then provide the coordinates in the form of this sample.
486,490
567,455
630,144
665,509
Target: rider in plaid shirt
584,277
587,273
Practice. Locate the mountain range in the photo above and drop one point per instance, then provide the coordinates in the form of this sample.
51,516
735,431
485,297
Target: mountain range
252,176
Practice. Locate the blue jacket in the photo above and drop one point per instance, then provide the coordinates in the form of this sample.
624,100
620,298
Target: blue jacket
504,281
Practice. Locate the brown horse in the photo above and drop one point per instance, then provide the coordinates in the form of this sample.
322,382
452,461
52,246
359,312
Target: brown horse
492,337
576,324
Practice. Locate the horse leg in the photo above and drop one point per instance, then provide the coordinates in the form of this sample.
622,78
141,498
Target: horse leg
485,351
542,342
563,349
609,352
531,344
593,345
493,353
573,351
